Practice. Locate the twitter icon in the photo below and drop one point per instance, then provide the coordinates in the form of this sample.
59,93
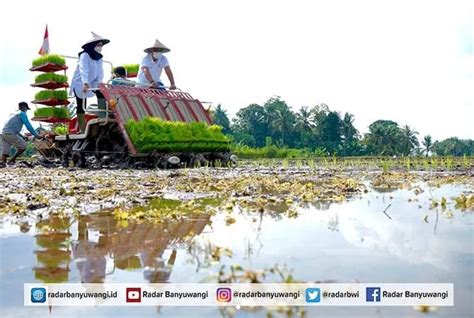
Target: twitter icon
313,295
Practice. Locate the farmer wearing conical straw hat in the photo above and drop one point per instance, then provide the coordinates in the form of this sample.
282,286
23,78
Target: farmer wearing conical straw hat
89,74
153,64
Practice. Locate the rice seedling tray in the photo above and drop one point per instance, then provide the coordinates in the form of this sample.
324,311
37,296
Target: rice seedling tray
50,85
48,68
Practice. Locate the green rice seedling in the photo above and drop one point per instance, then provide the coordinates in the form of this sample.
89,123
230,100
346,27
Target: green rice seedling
299,163
47,77
50,94
426,164
131,68
408,163
325,163
285,163
311,163
449,163
416,164
49,58
155,134
385,165
465,161
61,130
56,112
198,164
440,163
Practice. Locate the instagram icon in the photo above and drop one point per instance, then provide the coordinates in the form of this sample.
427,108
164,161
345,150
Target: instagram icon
224,295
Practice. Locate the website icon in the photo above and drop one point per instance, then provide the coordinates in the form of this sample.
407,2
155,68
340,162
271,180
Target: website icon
373,294
313,295
38,295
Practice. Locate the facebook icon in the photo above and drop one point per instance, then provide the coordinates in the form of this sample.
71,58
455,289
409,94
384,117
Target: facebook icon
372,294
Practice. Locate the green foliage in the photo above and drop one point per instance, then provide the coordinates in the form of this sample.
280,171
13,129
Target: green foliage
327,133
61,130
320,152
386,164
449,163
49,58
454,147
56,112
427,144
219,117
50,94
408,140
251,126
130,68
154,134
270,151
51,77
383,138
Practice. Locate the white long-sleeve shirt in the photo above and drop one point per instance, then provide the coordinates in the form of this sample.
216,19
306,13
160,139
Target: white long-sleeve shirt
87,71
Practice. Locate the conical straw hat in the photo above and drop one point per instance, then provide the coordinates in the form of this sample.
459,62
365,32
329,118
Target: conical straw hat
96,38
158,45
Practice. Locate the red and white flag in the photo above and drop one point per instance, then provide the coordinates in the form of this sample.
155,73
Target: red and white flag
45,47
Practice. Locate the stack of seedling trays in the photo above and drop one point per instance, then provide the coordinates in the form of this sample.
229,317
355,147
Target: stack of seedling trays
54,94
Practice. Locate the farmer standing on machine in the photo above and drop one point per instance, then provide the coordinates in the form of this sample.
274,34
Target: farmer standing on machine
88,74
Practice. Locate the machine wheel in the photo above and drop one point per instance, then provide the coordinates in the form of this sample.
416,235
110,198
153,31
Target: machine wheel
78,160
197,160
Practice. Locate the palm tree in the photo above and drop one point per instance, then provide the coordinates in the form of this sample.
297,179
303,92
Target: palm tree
349,132
428,144
409,140
383,138
304,119
281,120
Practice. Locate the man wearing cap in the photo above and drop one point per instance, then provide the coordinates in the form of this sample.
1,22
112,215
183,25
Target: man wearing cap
89,74
11,136
152,65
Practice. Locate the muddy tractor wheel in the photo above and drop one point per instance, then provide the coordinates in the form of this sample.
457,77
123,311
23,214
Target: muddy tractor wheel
78,160
228,159
197,160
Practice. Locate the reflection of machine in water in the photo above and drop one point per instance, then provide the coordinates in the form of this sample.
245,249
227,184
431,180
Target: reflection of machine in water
138,245
53,253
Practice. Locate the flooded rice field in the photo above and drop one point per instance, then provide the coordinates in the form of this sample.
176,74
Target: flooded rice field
249,224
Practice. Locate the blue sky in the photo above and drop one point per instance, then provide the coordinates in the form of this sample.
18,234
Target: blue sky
409,61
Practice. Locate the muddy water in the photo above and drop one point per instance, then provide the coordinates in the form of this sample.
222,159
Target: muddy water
389,237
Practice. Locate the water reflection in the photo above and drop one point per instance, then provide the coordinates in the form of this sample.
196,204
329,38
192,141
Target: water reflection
331,242
90,256
102,243
53,254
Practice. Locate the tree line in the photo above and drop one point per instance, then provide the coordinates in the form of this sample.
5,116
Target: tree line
329,132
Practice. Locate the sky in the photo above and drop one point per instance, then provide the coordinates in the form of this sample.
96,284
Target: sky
407,61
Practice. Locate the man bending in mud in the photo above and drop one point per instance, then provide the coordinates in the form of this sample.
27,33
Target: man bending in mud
11,136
